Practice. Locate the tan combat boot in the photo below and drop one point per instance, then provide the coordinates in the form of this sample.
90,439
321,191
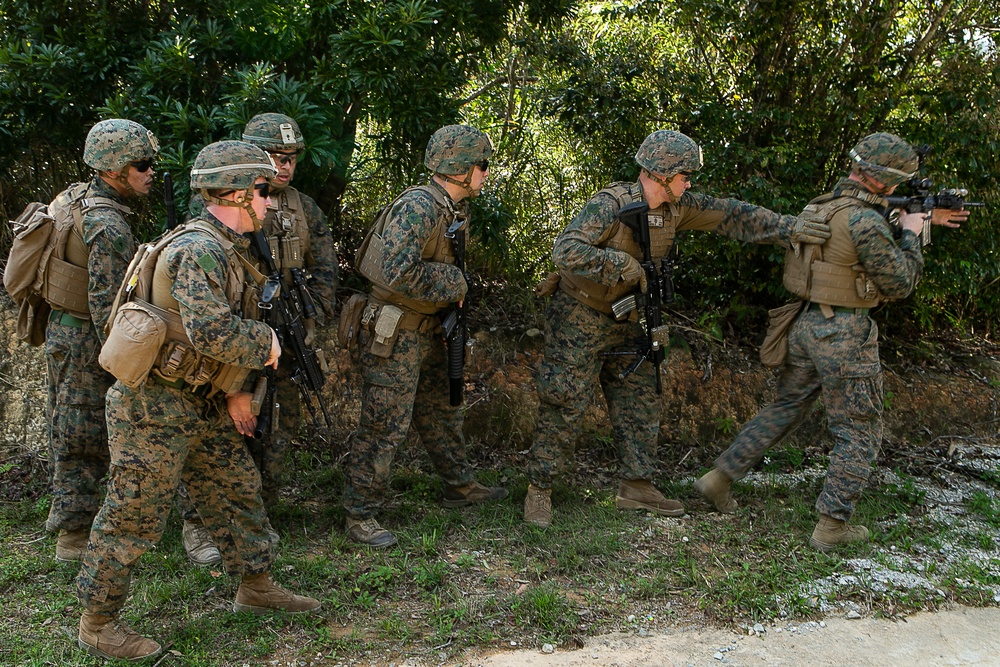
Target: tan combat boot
198,544
830,532
460,496
107,637
640,494
258,594
71,545
538,506
368,531
716,487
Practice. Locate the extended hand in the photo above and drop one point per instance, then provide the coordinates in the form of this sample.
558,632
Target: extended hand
949,218
809,231
272,358
632,272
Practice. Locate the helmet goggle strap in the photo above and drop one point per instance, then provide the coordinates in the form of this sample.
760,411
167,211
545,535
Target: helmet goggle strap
879,169
244,200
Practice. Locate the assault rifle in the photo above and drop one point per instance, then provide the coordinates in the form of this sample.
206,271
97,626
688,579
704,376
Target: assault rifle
660,285
454,324
922,199
283,310
168,200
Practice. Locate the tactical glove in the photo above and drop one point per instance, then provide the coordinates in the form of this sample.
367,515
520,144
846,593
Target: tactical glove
632,271
809,231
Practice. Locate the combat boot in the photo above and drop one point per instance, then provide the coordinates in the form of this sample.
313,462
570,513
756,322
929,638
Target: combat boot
367,531
198,544
109,638
71,545
830,532
538,506
716,487
258,594
460,496
640,494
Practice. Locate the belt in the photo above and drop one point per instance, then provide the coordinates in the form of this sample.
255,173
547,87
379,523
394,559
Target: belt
839,309
67,320
179,383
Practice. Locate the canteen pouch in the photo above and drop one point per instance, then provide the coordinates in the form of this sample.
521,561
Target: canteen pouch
386,330
134,342
774,349
349,326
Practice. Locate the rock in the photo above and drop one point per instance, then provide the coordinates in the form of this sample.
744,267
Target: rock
548,648
718,656
759,629
852,615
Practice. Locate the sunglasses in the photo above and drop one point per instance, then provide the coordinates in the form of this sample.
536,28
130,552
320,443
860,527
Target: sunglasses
483,164
285,158
263,189
141,166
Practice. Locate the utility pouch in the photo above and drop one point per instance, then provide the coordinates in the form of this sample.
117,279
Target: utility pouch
134,342
32,319
230,378
386,330
349,326
259,395
866,289
774,349
549,285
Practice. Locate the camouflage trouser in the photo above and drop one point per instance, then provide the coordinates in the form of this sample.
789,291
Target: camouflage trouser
837,359
576,335
412,384
78,438
160,436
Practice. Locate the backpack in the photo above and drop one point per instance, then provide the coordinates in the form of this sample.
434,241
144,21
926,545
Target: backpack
37,276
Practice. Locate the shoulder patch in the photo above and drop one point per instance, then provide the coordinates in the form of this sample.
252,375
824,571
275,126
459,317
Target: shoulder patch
119,245
207,262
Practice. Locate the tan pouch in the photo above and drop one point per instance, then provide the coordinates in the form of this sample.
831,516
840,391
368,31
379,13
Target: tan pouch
134,342
32,319
548,286
774,349
349,326
386,330
230,378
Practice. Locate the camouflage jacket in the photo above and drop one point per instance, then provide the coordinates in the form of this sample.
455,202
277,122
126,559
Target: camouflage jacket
197,268
579,249
110,243
409,226
895,267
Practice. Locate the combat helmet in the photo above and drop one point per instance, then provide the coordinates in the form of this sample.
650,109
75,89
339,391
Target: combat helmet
666,152
231,165
274,132
885,157
112,144
455,149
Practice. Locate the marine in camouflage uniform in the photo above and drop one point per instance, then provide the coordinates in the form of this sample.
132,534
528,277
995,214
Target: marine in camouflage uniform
598,262
411,265
300,239
833,343
182,425
121,152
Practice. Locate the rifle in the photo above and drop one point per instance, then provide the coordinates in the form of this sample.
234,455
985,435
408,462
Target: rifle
168,200
283,310
923,200
454,323
661,289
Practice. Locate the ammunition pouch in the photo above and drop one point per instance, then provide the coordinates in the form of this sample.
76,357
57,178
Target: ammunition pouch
349,326
133,345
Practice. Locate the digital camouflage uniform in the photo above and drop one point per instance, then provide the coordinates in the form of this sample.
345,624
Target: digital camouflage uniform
837,358
161,435
78,440
577,334
412,383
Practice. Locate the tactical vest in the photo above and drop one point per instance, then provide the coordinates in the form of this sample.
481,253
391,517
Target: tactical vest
662,230
66,277
178,359
287,231
831,273
371,254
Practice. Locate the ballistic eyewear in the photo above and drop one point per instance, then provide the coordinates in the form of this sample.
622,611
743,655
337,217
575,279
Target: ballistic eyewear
142,166
263,189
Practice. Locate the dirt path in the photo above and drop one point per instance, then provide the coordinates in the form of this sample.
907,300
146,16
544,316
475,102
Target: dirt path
960,637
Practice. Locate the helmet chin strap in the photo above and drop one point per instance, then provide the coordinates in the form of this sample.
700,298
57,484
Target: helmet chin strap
243,200
465,183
